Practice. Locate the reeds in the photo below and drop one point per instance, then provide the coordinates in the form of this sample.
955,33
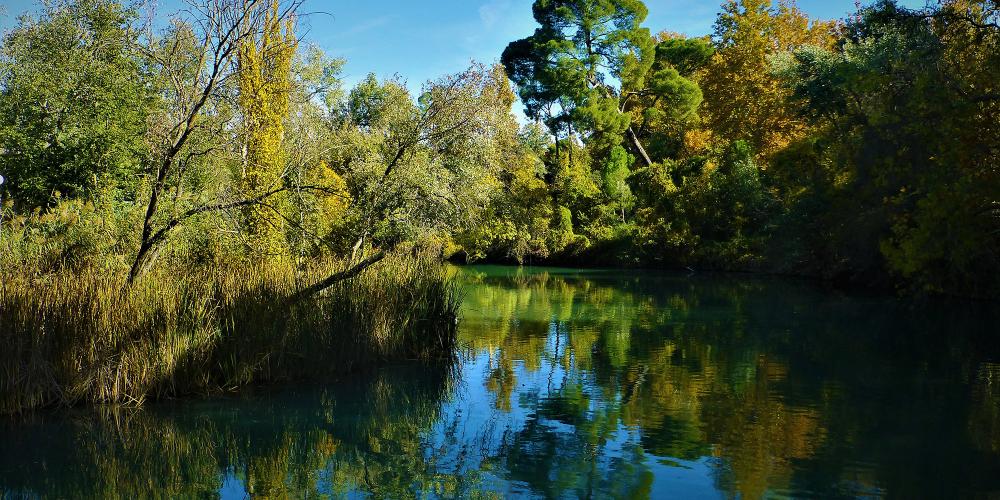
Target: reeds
75,337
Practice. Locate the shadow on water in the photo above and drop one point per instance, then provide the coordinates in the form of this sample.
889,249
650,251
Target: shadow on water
585,384
361,434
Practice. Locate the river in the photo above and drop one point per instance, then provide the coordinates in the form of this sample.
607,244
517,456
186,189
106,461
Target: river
573,383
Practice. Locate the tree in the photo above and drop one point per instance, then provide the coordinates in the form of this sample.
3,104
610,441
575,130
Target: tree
743,99
517,221
197,64
264,67
615,172
566,69
686,55
315,99
74,102
422,169
909,109
666,106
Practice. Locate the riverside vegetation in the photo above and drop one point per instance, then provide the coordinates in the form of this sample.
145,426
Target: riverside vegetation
199,204
76,338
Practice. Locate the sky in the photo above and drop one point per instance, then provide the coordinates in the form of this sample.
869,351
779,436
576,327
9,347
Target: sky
422,40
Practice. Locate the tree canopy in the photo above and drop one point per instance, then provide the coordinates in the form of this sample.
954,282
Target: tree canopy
74,102
861,151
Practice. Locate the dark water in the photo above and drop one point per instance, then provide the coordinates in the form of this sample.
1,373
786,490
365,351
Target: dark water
585,384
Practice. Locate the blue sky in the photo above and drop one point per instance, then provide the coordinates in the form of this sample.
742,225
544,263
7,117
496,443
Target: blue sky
421,40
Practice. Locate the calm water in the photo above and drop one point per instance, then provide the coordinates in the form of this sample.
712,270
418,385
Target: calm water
585,384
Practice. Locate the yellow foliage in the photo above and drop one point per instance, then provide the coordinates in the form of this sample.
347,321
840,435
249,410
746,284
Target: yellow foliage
265,86
333,202
743,99
697,141
501,84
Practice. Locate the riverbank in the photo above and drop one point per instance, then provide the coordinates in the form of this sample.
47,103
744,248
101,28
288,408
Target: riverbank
75,337
870,282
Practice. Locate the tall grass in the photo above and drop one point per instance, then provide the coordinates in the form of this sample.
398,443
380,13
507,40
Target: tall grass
75,336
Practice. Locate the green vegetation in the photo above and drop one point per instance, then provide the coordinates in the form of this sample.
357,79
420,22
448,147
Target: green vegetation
161,237
861,151
167,186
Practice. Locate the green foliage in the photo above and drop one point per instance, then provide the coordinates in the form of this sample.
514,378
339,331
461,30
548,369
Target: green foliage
562,225
74,102
427,168
564,70
516,225
665,111
75,234
905,147
862,152
868,158
615,172
686,55
373,104
217,120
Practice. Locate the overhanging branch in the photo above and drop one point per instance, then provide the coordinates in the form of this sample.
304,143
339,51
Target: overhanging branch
335,278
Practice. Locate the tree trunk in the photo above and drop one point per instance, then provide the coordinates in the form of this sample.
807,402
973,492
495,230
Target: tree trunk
638,146
335,278
138,264
569,142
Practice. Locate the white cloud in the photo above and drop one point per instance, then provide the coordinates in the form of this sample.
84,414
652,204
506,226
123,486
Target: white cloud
490,13
357,29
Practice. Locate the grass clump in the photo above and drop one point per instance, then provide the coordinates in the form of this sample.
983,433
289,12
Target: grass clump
80,336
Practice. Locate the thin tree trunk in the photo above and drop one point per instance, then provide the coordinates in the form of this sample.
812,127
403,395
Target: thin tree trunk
638,146
570,141
555,169
335,278
138,264
357,247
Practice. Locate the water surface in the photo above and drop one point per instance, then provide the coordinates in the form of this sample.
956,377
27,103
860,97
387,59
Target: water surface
584,384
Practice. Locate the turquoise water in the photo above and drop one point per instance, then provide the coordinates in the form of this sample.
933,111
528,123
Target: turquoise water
584,384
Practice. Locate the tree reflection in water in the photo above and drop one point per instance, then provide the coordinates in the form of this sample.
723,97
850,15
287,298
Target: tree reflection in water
584,384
